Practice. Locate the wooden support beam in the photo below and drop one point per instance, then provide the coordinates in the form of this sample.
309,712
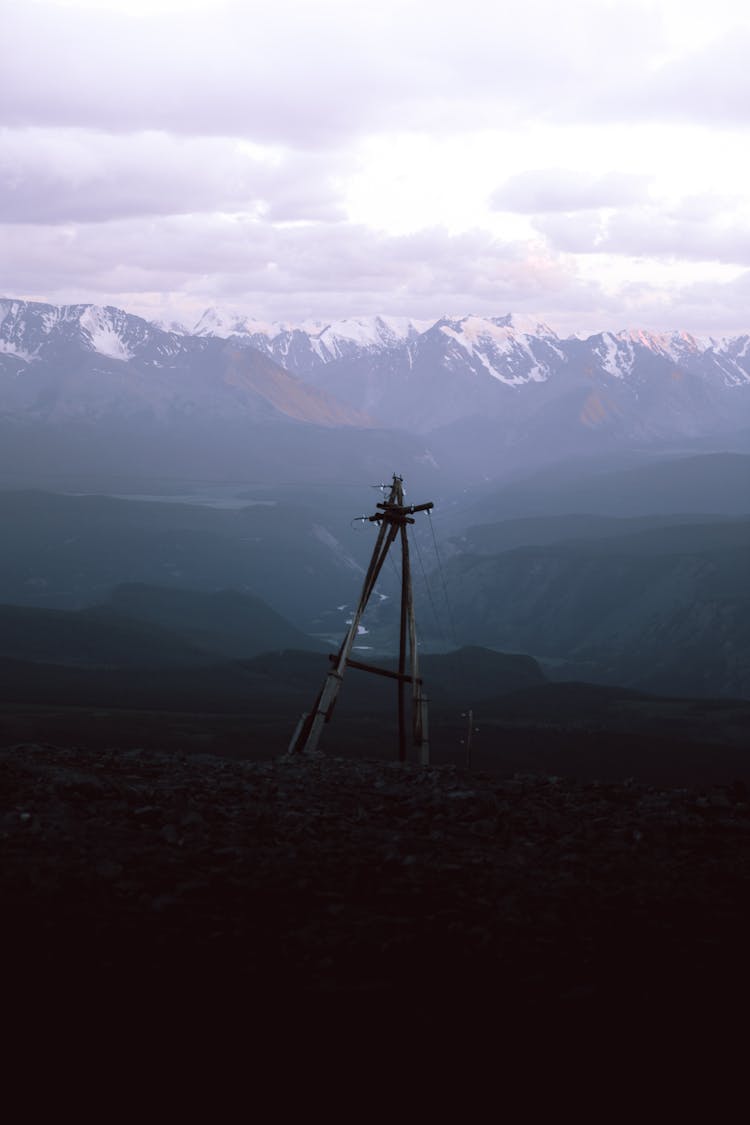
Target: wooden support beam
408,679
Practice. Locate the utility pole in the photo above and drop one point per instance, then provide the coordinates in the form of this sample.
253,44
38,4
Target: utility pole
470,728
393,518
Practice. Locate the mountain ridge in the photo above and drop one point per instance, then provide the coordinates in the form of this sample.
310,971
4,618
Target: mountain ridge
70,361
117,334
491,392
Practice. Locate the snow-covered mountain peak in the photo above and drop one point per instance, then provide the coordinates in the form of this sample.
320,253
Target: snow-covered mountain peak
298,346
363,332
524,325
667,343
30,331
614,352
331,339
495,345
373,331
175,327
501,331
101,327
228,322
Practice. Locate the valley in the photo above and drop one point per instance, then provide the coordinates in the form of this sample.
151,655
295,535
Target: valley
184,536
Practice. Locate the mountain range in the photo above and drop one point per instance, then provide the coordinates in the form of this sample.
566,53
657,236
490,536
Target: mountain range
421,375
82,361
477,396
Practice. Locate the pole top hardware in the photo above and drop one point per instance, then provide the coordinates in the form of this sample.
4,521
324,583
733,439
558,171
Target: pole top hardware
398,513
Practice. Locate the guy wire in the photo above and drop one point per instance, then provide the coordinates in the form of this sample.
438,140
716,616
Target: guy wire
442,579
429,591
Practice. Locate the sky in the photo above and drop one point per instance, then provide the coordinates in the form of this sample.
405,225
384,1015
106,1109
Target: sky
587,163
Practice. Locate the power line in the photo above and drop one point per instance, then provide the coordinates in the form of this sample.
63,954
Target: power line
155,479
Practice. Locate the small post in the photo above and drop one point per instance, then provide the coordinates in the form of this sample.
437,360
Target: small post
424,745
469,731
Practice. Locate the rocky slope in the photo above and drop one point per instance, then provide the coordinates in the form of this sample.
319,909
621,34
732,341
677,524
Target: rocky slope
331,877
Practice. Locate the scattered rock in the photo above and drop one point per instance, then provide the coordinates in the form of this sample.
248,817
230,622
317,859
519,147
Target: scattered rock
331,874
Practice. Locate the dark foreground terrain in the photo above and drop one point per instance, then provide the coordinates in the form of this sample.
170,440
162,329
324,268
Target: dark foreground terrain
327,877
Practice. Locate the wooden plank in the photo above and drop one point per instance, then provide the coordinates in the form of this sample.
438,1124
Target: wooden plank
378,671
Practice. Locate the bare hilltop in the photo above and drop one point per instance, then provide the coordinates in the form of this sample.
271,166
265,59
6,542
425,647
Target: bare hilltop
324,876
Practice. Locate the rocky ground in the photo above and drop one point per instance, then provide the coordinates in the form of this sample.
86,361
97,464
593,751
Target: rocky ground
335,877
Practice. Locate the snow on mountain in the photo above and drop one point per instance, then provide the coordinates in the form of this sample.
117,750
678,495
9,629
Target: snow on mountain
14,342
513,349
502,345
615,354
367,332
177,327
310,343
394,372
101,328
675,345
10,349
622,354
227,322
618,351
87,361
31,329
523,324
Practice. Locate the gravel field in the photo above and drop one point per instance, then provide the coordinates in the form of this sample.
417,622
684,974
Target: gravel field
329,877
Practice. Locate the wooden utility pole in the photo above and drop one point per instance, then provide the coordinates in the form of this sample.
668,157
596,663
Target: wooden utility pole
393,518
470,728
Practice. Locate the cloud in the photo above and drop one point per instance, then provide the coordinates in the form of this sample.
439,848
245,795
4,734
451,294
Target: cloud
709,85
288,270
327,271
653,232
317,74
567,189
312,74
208,151
50,176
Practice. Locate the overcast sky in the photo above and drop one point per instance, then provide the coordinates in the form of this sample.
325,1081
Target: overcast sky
587,162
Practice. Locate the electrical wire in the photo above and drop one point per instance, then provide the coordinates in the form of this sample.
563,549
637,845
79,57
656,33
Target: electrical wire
157,479
396,570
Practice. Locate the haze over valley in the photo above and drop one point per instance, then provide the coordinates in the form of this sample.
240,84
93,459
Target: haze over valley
175,499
